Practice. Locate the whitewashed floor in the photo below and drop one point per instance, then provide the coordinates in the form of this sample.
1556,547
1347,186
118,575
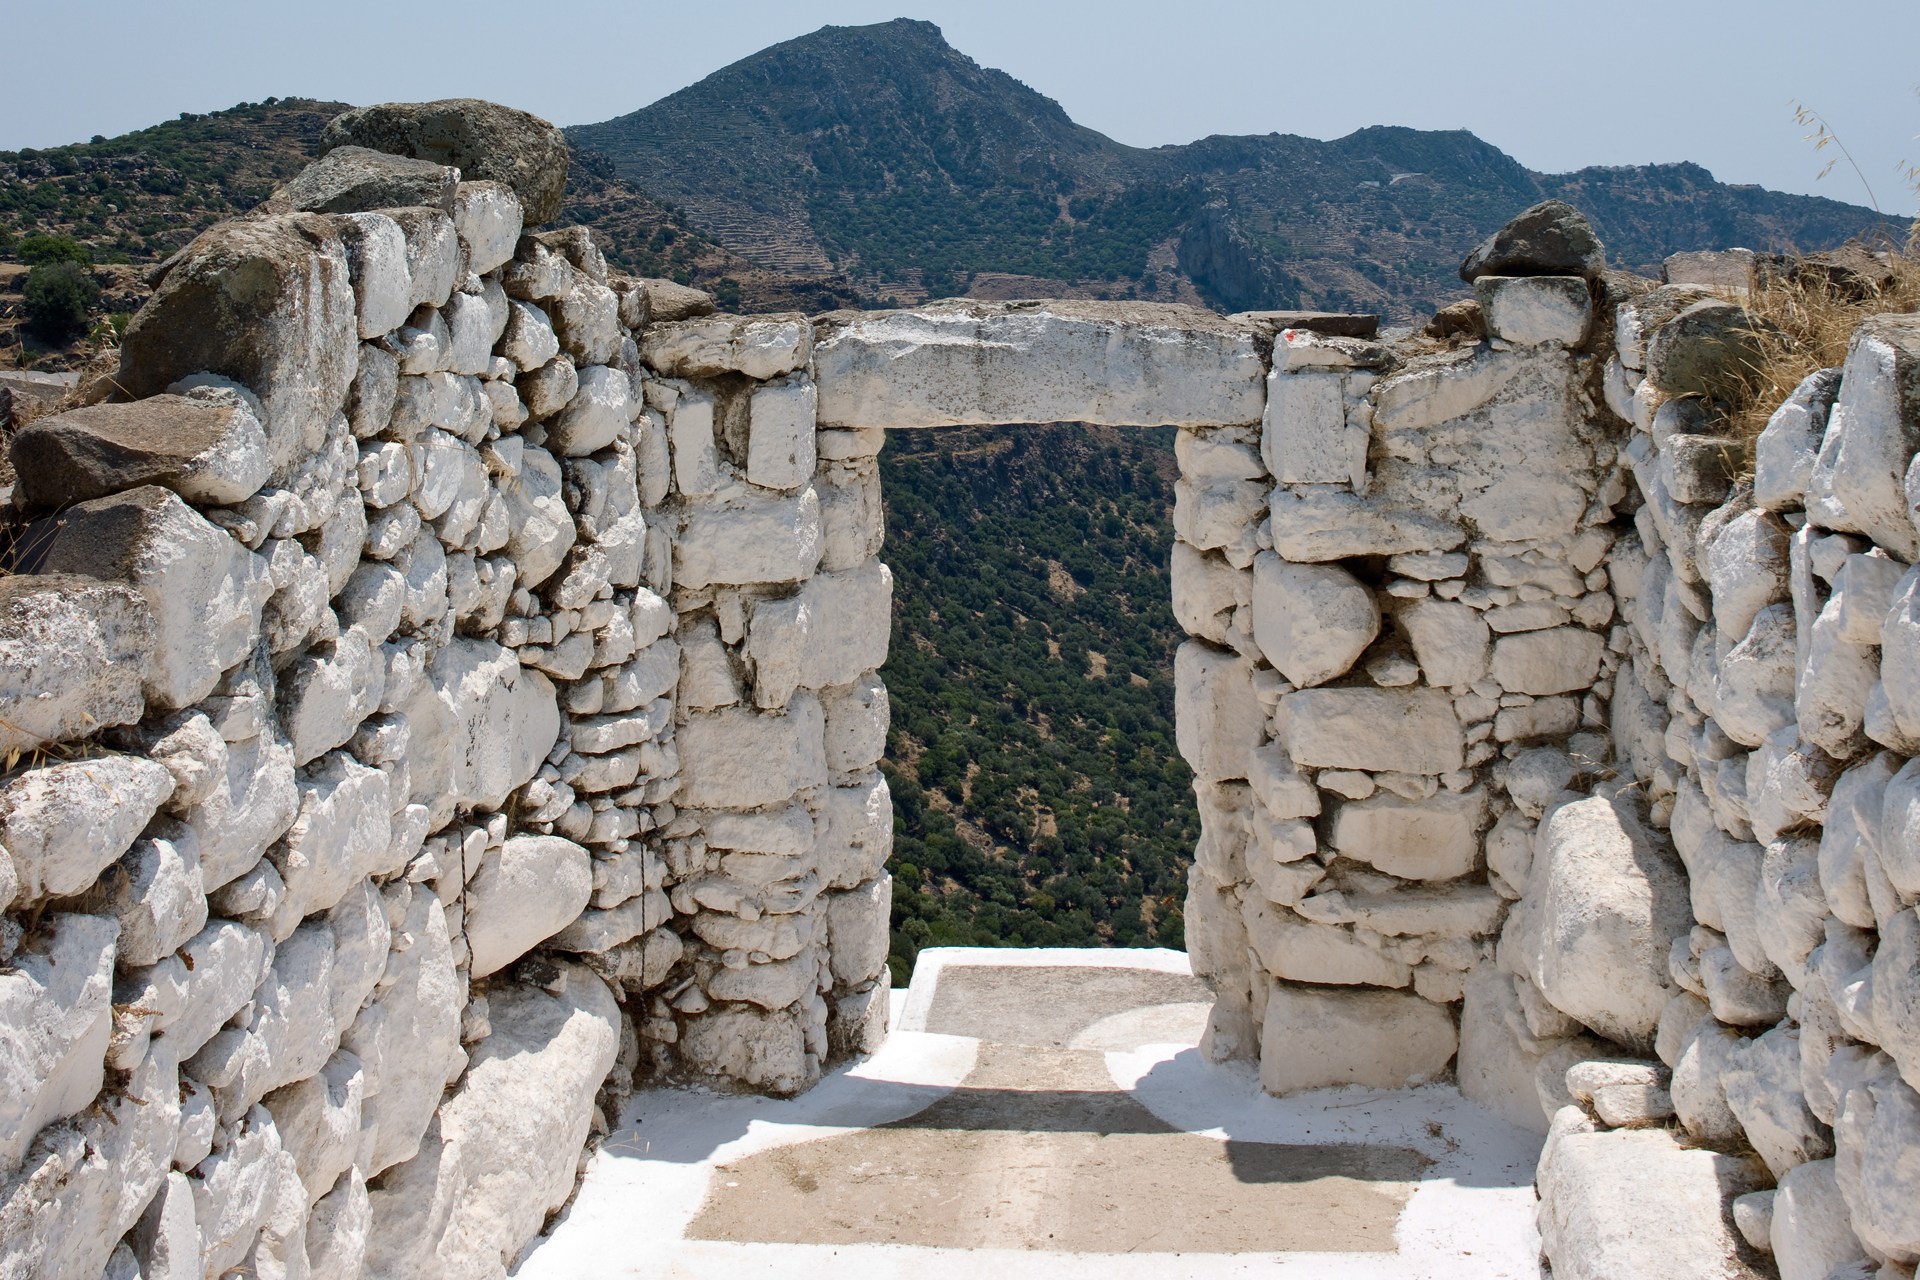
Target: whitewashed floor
1471,1214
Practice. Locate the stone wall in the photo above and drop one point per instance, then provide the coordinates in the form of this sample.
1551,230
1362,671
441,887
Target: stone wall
439,683
1767,709
439,688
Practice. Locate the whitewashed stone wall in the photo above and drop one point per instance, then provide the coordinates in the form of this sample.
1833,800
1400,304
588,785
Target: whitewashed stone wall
428,711
1767,710
1399,607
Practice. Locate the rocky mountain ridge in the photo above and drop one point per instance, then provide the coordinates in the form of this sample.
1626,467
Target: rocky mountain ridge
884,153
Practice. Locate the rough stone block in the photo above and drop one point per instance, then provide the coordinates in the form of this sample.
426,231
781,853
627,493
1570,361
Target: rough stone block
1434,839
73,657
266,302
741,759
1375,1039
1312,621
208,449
526,891
204,590
1608,899
1379,730
1636,1203
973,363
1557,660
1531,311
746,537
55,1004
1216,718
780,451
762,347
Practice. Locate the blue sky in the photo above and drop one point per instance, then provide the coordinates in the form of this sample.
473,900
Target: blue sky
1556,85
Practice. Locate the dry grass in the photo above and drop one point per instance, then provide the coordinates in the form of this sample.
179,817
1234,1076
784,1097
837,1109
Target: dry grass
1804,321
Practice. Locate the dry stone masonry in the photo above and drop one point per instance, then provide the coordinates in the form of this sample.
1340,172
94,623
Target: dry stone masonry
442,689
440,683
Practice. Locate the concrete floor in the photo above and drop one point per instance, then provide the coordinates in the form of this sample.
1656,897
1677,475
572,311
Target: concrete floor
1044,1113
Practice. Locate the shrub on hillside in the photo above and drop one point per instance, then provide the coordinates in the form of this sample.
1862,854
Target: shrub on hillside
58,297
45,250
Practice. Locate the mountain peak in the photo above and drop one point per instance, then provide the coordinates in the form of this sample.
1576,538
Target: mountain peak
883,153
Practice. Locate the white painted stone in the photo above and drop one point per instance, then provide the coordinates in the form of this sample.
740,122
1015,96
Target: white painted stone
855,832
251,803
1397,730
407,1038
1637,1203
972,363
526,891
1835,678
1753,694
229,959
1557,660
1810,1236
481,725
1296,950
65,823
1216,719
762,347
377,256
1316,523
327,692
319,1121
1871,436
508,1140
1607,901
1763,1091
73,654
157,895
55,1009
850,621
1747,567
1312,621
765,1051
541,530
1206,590
1376,1039
1216,514
1785,453
857,923
856,723
595,416
205,589
1531,311
1305,438
487,216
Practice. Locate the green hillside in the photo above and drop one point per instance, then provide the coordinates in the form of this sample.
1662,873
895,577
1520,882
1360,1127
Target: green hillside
1039,799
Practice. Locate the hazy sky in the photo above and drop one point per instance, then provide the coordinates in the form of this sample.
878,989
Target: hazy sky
1556,85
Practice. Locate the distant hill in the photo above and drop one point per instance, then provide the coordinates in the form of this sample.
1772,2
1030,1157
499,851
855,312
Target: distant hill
138,197
884,154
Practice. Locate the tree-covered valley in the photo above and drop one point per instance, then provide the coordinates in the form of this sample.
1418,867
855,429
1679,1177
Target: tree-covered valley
1038,796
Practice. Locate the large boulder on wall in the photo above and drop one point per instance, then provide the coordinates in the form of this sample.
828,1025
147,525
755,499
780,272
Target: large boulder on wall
483,139
1551,239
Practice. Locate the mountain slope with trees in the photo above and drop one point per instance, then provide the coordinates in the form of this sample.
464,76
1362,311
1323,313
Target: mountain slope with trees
883,153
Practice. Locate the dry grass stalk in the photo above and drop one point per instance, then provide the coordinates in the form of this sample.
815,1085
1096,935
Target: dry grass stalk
1804,321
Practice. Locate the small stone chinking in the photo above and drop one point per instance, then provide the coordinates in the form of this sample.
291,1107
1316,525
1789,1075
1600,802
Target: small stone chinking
361,631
